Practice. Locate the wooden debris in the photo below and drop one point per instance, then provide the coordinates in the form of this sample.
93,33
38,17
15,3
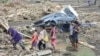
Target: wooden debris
24,35
4,23
86,44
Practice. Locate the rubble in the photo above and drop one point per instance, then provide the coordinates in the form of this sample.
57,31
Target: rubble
44,52
23,11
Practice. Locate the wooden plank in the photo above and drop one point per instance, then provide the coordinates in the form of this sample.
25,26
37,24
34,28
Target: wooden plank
86,44
24,34
4,23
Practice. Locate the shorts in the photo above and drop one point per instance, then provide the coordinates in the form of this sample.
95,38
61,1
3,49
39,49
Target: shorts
34,43
74,38
53,41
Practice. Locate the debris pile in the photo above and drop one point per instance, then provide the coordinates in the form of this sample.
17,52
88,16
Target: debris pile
23,11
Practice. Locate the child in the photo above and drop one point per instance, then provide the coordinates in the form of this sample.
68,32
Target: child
34,38
42,43
53,36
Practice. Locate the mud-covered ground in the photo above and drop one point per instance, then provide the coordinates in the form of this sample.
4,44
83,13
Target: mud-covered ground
13,11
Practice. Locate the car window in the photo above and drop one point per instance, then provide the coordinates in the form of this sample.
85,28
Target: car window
68,12
59,15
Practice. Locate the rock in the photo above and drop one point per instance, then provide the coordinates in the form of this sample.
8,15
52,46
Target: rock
44,52
2,54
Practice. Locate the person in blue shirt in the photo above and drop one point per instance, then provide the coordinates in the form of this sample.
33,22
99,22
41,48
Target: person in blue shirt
16,38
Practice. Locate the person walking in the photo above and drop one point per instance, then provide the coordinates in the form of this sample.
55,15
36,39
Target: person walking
42,42
34,38
71,33
53,36
74,36
16,38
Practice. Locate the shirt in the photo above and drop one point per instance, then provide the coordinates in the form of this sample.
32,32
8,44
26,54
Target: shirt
15,35
71,30
34,36
53,32
41,35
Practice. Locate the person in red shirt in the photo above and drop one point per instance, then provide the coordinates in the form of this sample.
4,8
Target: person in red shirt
53,36
34,38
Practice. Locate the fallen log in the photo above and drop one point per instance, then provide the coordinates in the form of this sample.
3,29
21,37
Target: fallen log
86,44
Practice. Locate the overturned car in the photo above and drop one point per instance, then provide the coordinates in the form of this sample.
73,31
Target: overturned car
64,16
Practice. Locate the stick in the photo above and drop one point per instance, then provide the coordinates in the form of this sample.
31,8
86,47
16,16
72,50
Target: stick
24,35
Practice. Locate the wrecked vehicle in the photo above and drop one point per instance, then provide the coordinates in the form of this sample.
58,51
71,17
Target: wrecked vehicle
64,16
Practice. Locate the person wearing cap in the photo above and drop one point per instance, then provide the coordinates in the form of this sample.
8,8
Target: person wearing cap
34,38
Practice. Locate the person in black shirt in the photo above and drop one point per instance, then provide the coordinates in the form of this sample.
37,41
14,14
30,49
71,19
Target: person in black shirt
74,36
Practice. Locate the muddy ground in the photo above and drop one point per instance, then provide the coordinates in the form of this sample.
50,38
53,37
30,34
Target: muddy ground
14,11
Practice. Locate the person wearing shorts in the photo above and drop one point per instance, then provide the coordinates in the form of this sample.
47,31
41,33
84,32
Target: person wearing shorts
53,36
16,38
74,36
34,38
42,43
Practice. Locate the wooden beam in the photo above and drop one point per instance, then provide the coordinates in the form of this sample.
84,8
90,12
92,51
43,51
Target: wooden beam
4,23
86,44
24,34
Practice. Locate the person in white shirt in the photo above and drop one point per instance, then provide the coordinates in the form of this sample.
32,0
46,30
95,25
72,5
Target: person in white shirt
42,43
